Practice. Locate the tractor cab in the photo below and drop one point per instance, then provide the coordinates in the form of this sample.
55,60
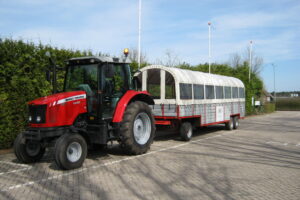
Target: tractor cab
104,79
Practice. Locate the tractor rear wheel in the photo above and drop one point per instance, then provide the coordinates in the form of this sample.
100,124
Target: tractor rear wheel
28,151
70,151
137,128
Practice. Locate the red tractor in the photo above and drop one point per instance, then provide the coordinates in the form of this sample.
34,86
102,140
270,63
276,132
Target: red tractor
98,104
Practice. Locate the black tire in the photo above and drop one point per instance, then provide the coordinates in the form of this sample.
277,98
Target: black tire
186,131
66,147
236,122
27,151
229,125
128,133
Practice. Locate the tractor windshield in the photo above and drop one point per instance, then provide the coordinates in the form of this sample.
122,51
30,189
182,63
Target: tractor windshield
82,77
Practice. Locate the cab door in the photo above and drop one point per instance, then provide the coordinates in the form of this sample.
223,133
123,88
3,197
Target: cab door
115,84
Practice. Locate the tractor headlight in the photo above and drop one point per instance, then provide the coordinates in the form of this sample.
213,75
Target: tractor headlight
38,119
30,118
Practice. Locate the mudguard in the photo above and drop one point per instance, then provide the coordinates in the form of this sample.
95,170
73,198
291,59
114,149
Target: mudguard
129,96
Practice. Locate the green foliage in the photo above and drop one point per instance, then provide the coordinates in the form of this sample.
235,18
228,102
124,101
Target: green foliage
22,79
134,66
292,104
118,82
269,107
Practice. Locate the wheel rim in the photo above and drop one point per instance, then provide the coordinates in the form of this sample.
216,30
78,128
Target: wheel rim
189,133
74,152
33,149
142,128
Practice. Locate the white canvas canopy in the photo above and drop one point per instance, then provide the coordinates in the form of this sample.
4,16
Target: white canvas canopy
158,73
196,77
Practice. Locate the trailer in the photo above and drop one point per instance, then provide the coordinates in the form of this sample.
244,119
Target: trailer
188,99
102,102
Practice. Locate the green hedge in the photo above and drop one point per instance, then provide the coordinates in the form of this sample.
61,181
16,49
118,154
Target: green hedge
292,104
269,107
22,79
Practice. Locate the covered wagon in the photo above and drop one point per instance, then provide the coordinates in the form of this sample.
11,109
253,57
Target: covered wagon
188,99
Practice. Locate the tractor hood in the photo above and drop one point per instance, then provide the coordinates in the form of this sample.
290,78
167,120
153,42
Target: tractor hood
57,110
59,98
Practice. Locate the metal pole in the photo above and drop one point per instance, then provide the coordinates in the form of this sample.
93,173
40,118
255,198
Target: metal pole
274,82
139,38
250,60
209,47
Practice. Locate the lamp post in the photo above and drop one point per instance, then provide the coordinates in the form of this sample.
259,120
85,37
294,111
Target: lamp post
209,47
274,82
139,37
250,60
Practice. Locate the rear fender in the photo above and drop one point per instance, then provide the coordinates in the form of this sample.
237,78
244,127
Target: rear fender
127,98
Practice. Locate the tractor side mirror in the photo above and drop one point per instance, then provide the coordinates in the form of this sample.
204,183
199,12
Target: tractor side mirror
136,83
109,71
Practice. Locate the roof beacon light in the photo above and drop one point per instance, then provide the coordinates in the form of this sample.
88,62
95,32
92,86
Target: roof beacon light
126,51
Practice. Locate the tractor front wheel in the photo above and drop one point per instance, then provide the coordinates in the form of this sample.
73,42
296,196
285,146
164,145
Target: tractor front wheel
28,151
70,151
137,128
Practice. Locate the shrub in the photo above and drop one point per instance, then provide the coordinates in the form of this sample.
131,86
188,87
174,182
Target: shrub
22,79
269,107
292,104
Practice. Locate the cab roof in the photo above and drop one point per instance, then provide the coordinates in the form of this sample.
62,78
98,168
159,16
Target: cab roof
99,59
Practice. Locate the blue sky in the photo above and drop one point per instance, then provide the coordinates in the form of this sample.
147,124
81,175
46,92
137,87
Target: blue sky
179,26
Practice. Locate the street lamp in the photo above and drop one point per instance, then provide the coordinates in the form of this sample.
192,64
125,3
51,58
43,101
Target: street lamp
209,53
274,82
250,60
139,37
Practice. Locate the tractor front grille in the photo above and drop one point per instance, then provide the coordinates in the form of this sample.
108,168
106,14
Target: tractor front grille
37,114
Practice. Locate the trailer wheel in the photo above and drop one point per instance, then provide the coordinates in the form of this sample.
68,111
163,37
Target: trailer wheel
70,151
236,122
186,131
137,128
229,125
28,151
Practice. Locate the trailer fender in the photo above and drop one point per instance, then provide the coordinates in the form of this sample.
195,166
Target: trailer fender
128,97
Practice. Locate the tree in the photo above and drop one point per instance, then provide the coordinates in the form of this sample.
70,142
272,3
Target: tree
133,56
236,60
170,59
257,61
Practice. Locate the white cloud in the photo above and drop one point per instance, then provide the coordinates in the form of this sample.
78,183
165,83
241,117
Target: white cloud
108,31
114,27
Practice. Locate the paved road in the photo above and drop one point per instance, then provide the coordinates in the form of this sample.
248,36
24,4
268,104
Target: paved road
261,160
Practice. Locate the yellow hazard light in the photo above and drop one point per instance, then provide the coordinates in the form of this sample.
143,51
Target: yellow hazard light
126,51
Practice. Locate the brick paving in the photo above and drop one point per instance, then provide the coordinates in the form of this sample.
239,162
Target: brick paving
260,160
